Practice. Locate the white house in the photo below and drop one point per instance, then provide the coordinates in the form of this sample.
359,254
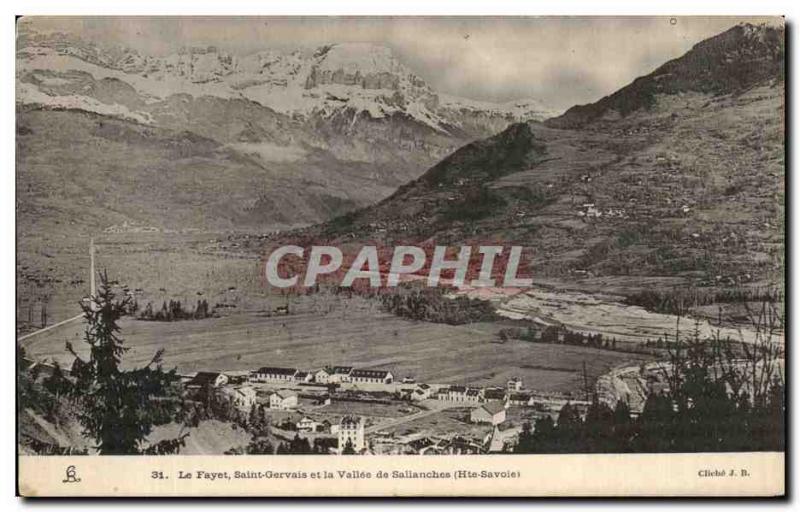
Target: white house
494,395
491,412
241,397
514,384
519,399
371,377
283,400
323,376
207,380
340,374
460,394
273,374
306,424
303,377
453,394
472,395
351,429
422,392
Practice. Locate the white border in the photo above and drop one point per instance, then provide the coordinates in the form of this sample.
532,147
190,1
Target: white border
321,7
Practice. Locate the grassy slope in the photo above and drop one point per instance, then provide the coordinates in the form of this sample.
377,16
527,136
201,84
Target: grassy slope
692,188
327,331
82,171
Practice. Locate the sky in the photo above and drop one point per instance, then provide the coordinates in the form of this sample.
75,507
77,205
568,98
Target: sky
560,61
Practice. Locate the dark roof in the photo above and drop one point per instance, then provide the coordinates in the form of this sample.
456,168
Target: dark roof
274,370
473,392
342,369
458,389
375,374
350,420
492,408
203,379
494,394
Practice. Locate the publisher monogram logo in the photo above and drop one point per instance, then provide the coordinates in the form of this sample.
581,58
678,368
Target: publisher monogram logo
71,476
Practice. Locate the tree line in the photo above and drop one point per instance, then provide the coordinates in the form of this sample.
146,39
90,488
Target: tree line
431,305
719,398
173,310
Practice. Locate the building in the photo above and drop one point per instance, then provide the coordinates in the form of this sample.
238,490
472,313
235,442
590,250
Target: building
323,376
371,377
502,438
340,374
453,394
514,384
460,394
494,395
472,396
491,412
283,400
241,397
519,399
205,380
422,392
303,377
351,431
273,374
306,424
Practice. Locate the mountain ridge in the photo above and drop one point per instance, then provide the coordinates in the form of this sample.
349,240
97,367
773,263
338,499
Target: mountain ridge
732,61
664,190
347,121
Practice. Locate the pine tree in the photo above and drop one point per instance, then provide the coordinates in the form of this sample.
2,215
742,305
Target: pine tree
119,408
56,383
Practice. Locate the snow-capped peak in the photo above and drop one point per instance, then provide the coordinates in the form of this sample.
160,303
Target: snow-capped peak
353,77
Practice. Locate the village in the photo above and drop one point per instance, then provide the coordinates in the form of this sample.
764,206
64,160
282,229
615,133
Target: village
372,411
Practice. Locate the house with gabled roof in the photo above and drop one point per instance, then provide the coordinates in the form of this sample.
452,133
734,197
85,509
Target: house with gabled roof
205,380
519,399
323,376
306,424
273,374
351,433
514,384
283,400
341,374
494,395
371,377
301,376
490,412
241,397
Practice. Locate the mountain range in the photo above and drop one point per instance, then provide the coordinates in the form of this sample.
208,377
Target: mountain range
677,177
271,139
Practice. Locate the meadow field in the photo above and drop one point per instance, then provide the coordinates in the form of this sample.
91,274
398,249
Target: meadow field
346,332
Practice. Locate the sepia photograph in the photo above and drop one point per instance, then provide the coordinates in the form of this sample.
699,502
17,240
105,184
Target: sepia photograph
497,238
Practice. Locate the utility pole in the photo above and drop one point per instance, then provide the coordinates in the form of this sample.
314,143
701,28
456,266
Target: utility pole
92,286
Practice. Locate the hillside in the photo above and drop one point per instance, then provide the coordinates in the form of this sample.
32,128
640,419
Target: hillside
731,62
338,125
682,183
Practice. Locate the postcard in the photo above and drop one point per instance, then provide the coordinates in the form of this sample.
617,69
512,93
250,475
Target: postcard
400,256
